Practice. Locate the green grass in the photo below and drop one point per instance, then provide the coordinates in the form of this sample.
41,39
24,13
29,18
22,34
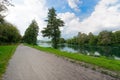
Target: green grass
5,54
103,62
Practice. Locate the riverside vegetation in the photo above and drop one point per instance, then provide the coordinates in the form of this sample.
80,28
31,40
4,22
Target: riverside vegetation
112,65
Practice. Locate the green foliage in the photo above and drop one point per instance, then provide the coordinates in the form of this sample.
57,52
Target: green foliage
117,37
52,29
3,8
82,39
73,40
61,40
98,61
105,38
31,33
5,54
8,33
92,40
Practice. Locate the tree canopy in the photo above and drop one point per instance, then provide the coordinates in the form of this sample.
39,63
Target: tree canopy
3,8
52,29
31,33
117,37
103,38
9,33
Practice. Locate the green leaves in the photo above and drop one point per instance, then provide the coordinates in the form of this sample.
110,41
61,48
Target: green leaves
105,38
52,29
3,7
9,33
31,33
117,37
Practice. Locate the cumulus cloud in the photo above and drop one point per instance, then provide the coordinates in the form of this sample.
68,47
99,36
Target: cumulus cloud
106,16
71,22
22,14
74,4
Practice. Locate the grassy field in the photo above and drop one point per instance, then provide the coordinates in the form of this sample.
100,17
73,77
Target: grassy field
103,62
5,54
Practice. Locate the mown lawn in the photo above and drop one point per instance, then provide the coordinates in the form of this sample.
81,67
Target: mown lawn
103,62
5,54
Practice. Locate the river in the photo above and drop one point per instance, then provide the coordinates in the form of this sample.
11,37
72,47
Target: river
111,52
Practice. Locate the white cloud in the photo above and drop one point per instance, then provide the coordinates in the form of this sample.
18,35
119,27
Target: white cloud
22,14
71,22
74,4
106,16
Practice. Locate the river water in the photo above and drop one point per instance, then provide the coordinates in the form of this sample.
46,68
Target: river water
111,52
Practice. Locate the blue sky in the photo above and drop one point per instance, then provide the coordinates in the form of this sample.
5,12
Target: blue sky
79,15
86,7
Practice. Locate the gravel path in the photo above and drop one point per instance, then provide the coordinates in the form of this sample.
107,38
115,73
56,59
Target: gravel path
30,64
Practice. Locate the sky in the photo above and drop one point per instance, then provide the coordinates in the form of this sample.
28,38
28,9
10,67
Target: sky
79,15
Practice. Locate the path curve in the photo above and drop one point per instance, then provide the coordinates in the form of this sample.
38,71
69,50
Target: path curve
30,64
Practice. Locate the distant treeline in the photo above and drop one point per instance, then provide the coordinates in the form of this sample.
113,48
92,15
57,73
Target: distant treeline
103,38
9,34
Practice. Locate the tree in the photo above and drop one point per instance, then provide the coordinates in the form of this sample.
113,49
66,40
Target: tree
62,40
82,38
9,33
105,38
3,8
92,39
117,37
31,33
52,29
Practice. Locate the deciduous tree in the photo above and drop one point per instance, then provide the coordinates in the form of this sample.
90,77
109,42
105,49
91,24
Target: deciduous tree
117,37
105,38
31,33
3,8
9,33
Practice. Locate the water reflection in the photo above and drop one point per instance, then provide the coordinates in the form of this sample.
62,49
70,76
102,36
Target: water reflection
108,51
112,52
45,44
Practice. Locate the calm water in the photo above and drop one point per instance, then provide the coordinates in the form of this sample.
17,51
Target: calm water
112,52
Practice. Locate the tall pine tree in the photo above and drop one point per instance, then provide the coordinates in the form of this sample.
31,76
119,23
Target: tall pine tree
52,29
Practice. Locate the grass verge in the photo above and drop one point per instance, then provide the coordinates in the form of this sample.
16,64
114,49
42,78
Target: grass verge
113,65
5,54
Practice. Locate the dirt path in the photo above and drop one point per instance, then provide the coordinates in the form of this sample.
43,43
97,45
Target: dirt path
31,64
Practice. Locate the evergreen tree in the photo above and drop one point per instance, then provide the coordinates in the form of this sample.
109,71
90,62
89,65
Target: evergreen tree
31,33
52,29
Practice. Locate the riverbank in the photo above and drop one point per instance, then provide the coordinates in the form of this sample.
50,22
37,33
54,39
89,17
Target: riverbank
5,54
100,62
31,64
